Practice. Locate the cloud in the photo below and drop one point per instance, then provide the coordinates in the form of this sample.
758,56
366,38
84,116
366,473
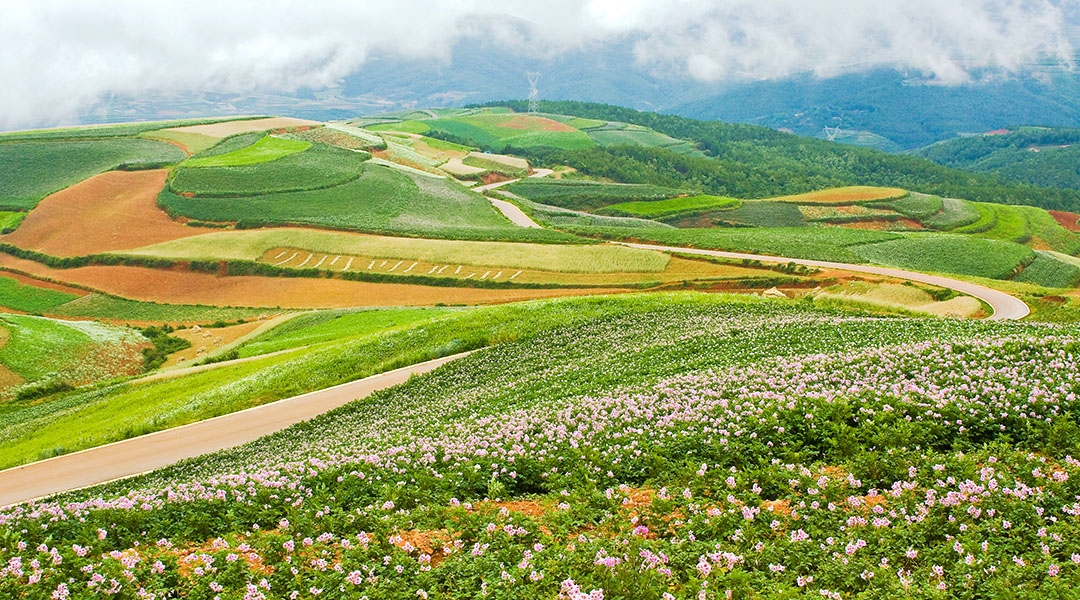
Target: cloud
61,57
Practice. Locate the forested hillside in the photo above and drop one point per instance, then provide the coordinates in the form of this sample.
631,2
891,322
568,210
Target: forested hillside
1044,156
750,161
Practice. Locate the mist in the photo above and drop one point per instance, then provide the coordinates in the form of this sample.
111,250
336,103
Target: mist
62,57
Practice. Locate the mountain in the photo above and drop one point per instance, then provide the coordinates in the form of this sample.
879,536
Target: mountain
899,111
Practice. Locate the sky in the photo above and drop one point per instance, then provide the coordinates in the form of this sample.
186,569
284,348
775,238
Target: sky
61,57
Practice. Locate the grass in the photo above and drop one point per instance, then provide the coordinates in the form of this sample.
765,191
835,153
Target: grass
999,222
671,207
914,205
963,255
319,167
1052,269
955,214
381,200
267,149
252,245
74,352
586,195
328,325
1044,228
10,220
29,171
855,194
19,296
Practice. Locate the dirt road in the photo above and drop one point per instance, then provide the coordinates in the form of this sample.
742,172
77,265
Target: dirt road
153,451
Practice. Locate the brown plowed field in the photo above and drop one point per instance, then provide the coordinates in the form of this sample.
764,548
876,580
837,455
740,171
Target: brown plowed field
1068,220
185,287
116,210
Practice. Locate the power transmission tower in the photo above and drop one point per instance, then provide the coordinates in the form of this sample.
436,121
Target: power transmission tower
534,94
832,132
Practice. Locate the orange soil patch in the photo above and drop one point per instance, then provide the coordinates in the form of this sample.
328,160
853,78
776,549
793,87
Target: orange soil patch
777,507
185,287
228,128
530,123
1068,220
206,339
116,210
844,195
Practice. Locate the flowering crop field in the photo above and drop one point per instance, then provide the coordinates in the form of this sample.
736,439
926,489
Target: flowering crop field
686,447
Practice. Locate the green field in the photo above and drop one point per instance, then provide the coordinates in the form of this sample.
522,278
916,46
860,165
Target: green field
817,243
268,148
27,298
110,131
29,171
1051,269
380,200
763,213
10,220
671,207
616,134
319,167
955,213
328,325
251,245
101,306
963,255
915,206
586,195
494,130
72,352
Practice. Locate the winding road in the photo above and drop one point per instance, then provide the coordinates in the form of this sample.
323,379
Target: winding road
160,449
1005,307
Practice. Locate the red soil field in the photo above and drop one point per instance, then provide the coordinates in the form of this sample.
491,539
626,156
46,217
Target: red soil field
535,124
116,210
185,287
1068,220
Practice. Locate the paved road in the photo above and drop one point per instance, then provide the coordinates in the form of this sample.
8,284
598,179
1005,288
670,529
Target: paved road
156,450
1005,307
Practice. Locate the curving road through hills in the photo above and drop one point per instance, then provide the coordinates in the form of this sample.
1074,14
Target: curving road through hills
1005,307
